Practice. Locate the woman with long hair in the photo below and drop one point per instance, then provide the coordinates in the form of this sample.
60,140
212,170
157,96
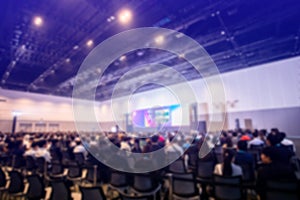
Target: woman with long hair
228,168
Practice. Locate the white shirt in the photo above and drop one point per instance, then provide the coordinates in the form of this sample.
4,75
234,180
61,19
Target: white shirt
42,152
255,141
79,149
30,152
236,170
287,142
125,146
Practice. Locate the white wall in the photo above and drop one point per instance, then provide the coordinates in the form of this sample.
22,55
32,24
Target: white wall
269,86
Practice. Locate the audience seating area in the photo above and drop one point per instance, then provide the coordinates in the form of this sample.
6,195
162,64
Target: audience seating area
242,165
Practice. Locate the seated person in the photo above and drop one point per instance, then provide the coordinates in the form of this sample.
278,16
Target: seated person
245,159
42,151
283,154
79,148
287,142
228,168
32,150
256,141
272,169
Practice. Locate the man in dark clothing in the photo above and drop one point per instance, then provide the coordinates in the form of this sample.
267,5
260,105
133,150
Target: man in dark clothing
245,160
283,154
272,169
242,156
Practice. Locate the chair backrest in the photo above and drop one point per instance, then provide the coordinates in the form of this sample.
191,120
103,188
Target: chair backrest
57,167
16,184
74,170
143,183
205,169
248,172
89,193
60,190
36,188
295,162
41,164
256,147
79,158
177,166
184,185
289,147
30,163
118,179
55,155
278,190
227,187
67,156
18,162
2,178
256,154
193,159
93,174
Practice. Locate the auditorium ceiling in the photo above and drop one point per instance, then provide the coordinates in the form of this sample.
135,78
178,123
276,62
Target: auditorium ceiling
43,43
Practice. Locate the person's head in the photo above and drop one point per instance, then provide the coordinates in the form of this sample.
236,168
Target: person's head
228,142
268,155
283,135
78,141
255,134
34,145
242,145
154,138
228,156
274,139
234,134
274,130
42,143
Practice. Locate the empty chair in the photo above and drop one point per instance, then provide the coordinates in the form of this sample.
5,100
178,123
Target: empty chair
60,190
36,189
90,193
144,185
184,186
227,188
283,190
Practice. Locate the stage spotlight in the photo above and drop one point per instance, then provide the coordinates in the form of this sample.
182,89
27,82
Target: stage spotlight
38,21
125,16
